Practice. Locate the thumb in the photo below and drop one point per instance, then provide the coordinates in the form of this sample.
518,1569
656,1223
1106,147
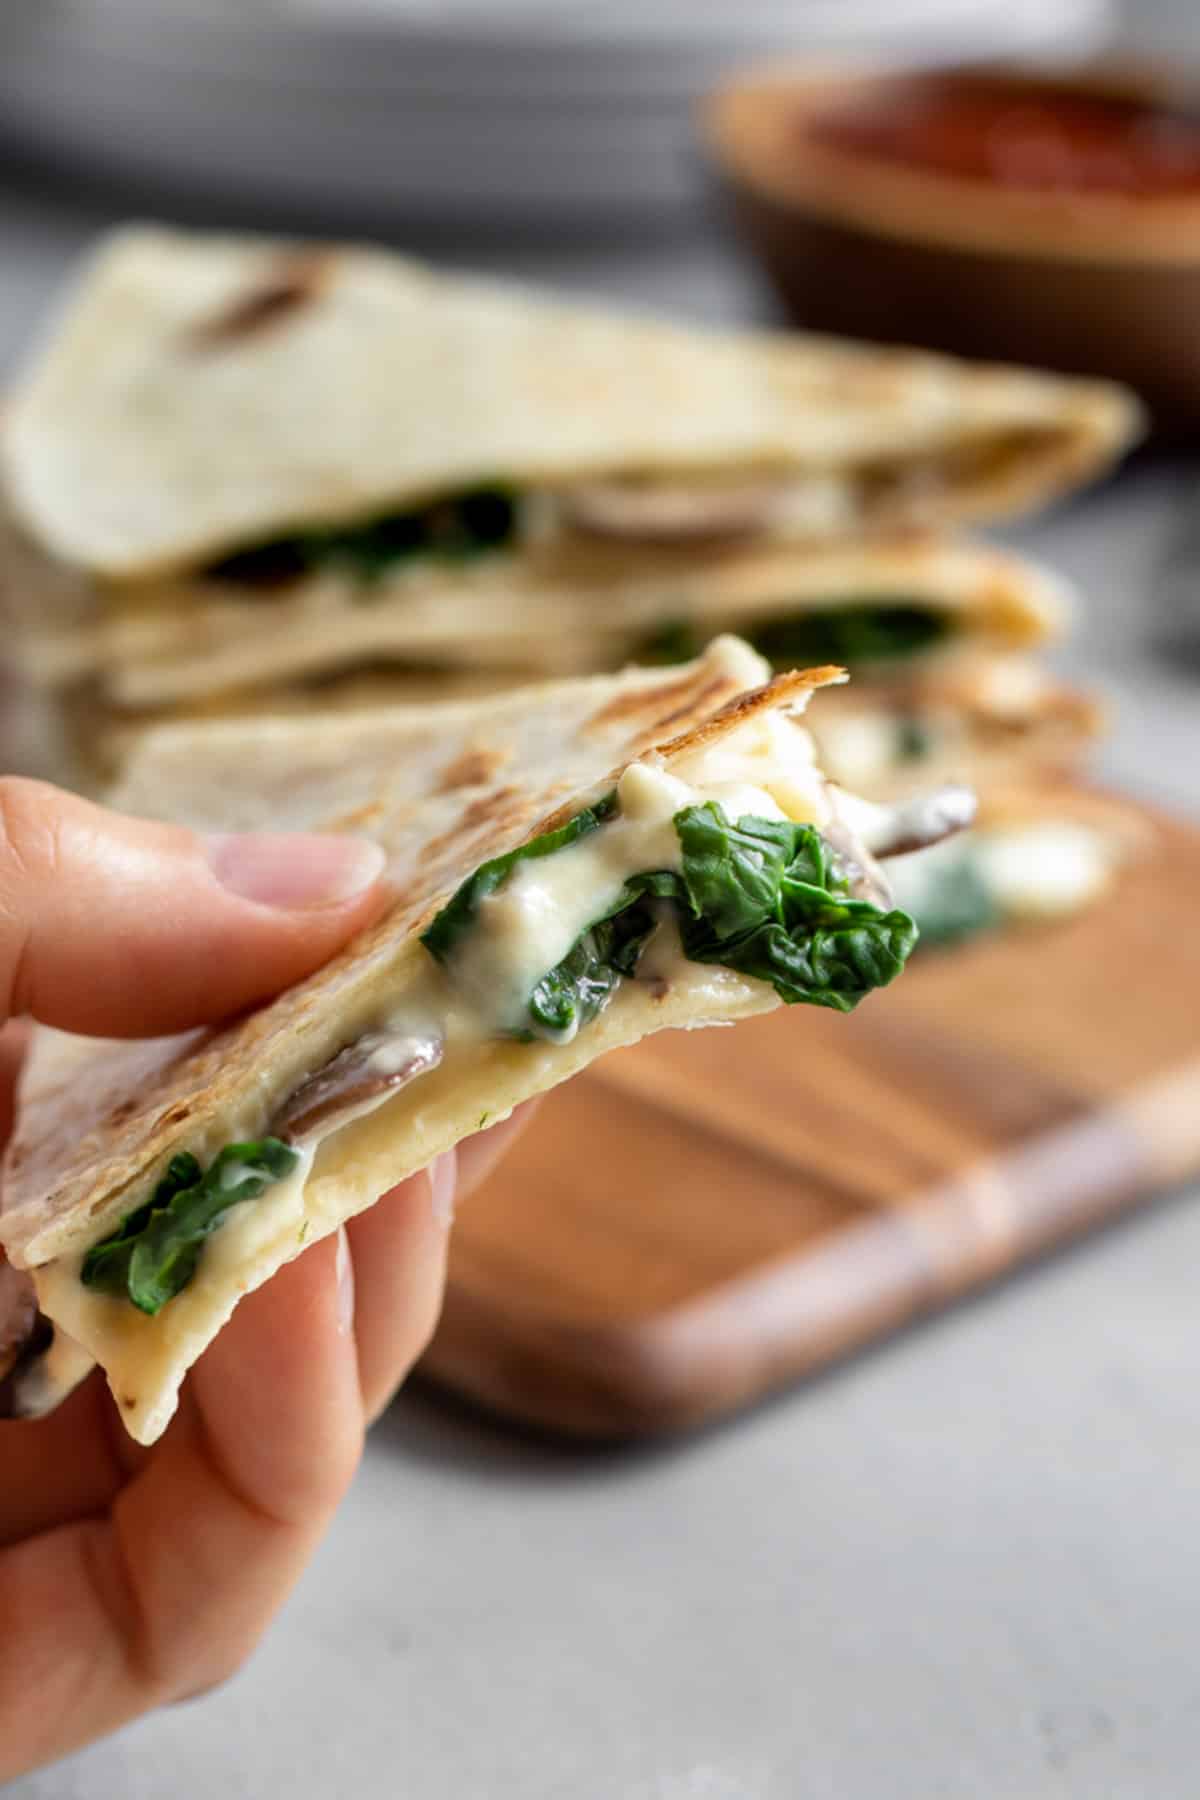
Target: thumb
121,928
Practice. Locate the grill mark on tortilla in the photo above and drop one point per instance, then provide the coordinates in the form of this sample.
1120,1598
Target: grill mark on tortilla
357,818
471,769
706,694
295,283
640,702
772,694
491,816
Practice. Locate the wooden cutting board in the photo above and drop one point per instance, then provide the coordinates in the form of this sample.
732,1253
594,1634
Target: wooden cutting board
699,1220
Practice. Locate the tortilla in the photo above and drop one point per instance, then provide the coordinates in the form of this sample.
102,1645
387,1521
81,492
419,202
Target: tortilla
291,654
199,395
559,610
443,789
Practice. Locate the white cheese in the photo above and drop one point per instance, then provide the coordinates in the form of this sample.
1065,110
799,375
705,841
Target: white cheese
859,749
1045,871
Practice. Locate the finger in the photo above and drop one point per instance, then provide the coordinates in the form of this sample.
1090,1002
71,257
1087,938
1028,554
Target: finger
14,1040
478,1155
103,1620
399,1255
398,1251
60,1468
72,1464
119,927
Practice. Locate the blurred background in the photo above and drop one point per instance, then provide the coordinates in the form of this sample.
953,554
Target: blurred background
965,1563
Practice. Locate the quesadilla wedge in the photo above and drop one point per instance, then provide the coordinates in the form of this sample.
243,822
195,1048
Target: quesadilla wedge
574,866
872,606
1036,855
342,427
934,635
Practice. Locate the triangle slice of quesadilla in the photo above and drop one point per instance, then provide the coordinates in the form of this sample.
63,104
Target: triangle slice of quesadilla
917,620
871,606
259,409
573,867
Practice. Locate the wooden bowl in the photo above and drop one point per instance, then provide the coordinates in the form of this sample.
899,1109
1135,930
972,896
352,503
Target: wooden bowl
1088,280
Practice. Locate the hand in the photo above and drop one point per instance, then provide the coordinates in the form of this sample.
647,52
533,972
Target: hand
131,1577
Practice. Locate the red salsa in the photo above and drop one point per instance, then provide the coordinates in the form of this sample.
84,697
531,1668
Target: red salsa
1020,135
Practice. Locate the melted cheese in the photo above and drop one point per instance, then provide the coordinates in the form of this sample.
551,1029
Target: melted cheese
1045,871
765,769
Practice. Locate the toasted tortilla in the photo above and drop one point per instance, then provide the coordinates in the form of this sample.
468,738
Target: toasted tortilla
558,610
991,722
197,395
983,720
443,789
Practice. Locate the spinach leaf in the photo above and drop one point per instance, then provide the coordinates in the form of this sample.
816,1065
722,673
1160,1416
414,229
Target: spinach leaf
676,641
768,900
762,896
861,632
453,530
153,1254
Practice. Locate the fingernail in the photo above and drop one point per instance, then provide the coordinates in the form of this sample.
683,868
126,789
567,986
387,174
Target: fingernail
344,1272
443,1181
294,870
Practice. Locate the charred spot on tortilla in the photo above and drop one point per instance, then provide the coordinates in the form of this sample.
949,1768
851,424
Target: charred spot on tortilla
297,282
471,768
359,819
678,696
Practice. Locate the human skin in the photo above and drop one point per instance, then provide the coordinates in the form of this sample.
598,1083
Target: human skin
131,1577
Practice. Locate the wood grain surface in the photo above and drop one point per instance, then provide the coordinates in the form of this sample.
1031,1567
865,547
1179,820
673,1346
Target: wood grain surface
701,1219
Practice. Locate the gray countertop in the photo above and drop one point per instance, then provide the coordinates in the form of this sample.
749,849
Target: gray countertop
965,1564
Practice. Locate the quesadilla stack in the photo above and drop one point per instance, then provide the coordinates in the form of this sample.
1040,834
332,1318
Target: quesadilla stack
244,473
573,867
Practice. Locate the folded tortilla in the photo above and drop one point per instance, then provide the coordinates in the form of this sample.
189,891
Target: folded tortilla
869,605
984,721
483,984
933,633
329,428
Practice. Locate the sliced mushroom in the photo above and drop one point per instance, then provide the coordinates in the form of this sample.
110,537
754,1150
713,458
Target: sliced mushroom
18,1316
676,511
863,833
50,1366
357,1078
910,825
